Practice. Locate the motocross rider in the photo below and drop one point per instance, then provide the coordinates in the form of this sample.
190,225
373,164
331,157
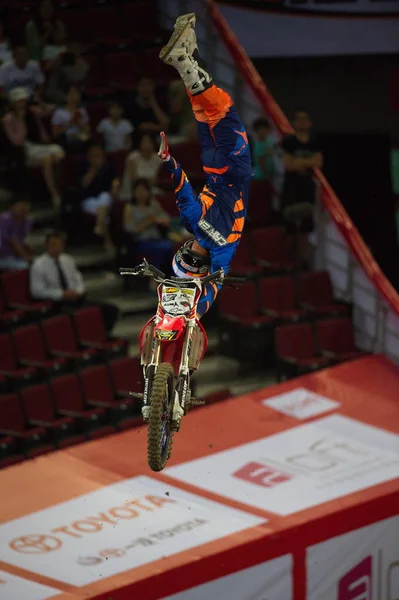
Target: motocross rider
217,215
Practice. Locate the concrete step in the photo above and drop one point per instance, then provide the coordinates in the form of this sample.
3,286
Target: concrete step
103,284
215,370
239,385
133,303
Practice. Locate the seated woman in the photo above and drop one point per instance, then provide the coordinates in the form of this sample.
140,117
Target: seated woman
24,130
143,163
147,222
70,124
99,186
43,28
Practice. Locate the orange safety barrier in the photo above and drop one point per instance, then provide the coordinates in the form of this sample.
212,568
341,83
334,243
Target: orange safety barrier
329,198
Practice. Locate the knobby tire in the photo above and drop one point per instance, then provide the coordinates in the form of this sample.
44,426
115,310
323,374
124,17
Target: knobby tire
163,379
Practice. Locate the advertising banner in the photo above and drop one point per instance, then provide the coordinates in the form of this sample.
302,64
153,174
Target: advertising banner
271,580
16,588
298,468
359,565
301,404
116,528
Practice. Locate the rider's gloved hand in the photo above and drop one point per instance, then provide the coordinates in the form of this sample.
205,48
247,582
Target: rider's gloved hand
163,152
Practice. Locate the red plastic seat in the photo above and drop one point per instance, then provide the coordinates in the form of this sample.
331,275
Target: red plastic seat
105,23
69,401
10,318
127,375
34,440
316,294
121,70
61,340
96,82
138,20
242,263
159,71
99,391
16,293
260,212
91,332
32,352
40,412
9,363
188,154
278,298
77,24
244,334
273,249
336,339
241,304
296,350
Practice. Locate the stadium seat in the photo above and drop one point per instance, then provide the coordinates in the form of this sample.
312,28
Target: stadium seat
15,285
296,351
77,24
335,339
315,293
278,299
138,21
10,318
188,154
69,401
95,79
33,440
96,111
244,334
10,453
105,22
273,249
98,390
9,366
242,264
159,71
40,412
260,212
61,341
91,332
127,375
31,350
121,70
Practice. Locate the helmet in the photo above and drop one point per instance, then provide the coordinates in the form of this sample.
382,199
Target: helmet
187,263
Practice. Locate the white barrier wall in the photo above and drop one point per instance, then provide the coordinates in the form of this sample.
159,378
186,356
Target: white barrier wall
376,324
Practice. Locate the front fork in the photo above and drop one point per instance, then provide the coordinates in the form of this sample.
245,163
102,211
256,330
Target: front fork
183,390
149,371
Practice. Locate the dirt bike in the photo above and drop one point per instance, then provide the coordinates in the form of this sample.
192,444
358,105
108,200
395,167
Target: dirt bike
172,345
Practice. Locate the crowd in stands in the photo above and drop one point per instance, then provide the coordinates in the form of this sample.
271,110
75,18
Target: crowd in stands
79,131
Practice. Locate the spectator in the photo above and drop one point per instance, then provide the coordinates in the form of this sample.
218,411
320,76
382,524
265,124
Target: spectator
15,226
43,29
143,163
98,187
24,130
115,130
301,156
263,150
145,112
21,72
182,123
70,124
146,221
69,69
5,51
54,276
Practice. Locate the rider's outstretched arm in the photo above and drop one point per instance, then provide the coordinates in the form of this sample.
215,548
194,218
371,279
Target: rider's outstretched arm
188,201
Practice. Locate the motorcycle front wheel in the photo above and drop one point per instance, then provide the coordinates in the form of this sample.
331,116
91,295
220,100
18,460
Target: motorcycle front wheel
160,434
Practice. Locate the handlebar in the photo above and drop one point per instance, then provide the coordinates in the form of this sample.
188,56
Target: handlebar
147,270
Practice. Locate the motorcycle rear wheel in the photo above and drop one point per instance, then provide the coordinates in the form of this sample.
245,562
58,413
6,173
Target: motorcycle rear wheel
160,434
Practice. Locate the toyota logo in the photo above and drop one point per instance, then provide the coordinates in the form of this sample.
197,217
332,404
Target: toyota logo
35,544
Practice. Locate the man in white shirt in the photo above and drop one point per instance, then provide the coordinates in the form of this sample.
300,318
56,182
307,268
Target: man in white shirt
116,130
21,72
55,276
